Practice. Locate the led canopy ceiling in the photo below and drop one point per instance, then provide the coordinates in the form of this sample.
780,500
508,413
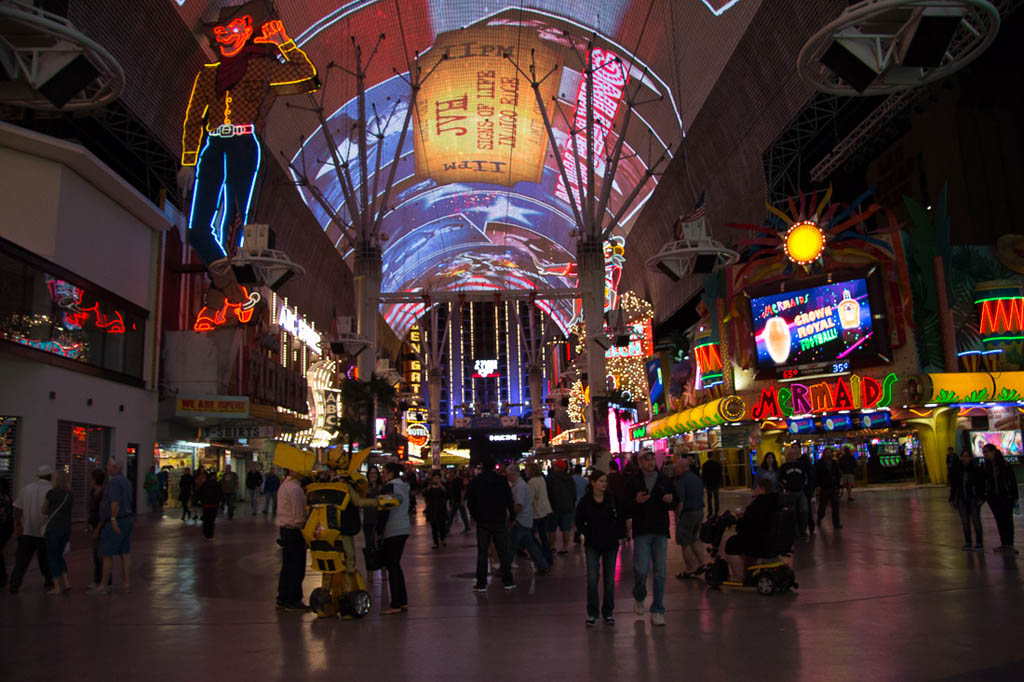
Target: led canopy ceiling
478,203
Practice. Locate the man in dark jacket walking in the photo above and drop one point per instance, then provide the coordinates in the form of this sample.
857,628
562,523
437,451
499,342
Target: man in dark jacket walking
711,474
210,496
793,480
826,475
1001,494
967,483
651,498
562,495
807,465
489,499
253,481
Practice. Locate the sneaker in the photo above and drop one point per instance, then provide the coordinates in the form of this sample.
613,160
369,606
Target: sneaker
639,608
609,621
657,619
966,547
591,622
479,588
296,606
98,589
509,588
544,572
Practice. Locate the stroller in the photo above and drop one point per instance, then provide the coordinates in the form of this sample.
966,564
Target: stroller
769,574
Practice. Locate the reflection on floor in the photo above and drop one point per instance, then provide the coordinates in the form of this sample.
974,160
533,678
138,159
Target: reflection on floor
890,597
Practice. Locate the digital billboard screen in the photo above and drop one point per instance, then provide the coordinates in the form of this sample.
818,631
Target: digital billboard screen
828,323
657,386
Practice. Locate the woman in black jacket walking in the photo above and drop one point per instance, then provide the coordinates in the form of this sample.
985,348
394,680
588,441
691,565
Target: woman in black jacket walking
185,490
597,521
1001,494
967,483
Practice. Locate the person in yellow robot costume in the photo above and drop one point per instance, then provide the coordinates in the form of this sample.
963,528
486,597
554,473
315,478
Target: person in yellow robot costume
332,522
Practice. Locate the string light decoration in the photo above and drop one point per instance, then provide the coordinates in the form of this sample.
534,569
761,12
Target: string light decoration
635,308
578,399
628,374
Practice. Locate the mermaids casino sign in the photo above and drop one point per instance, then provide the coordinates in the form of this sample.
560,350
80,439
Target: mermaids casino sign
842,394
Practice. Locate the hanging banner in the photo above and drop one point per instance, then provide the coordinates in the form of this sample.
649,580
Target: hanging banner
477,118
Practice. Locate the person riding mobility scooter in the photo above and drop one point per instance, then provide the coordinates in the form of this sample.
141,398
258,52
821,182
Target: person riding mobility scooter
765,533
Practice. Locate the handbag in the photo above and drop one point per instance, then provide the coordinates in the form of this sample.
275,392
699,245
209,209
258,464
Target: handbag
374,557
49,516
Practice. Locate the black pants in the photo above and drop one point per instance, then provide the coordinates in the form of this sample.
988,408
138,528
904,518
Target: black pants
438,530
185,511
809,493
29,545
486,533
97,564
5,534
293,566
209,521
970,516
826,497
712,501
393,548
1002,512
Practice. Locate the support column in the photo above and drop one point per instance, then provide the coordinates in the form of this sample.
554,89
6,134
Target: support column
590,261
536,405
367,279
434,415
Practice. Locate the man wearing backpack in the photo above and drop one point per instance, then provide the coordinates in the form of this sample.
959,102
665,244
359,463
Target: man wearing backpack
793,478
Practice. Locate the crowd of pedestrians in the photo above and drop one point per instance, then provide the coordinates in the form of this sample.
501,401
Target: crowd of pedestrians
518,515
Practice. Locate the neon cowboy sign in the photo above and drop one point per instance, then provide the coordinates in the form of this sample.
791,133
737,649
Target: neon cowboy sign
854,393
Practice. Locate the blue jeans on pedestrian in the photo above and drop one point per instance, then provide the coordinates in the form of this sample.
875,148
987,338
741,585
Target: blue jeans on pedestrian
648,549
540,530
595,560
55,543
519,535
254,500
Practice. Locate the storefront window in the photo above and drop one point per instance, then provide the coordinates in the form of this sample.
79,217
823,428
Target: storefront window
80,449
8,443
41,308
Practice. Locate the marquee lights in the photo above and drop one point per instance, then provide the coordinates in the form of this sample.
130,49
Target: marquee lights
414,366
290,321
485,369
418,434
728,409
804,242
502,437
842,394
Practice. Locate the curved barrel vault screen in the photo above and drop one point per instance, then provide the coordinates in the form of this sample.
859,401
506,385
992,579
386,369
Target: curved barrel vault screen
477,203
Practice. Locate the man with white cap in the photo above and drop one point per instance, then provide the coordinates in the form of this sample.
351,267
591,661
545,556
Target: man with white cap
28,527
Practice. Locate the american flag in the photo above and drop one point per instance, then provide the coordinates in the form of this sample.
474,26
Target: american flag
691,226
697,212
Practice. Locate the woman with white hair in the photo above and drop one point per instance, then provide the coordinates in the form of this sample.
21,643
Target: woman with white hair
57,532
